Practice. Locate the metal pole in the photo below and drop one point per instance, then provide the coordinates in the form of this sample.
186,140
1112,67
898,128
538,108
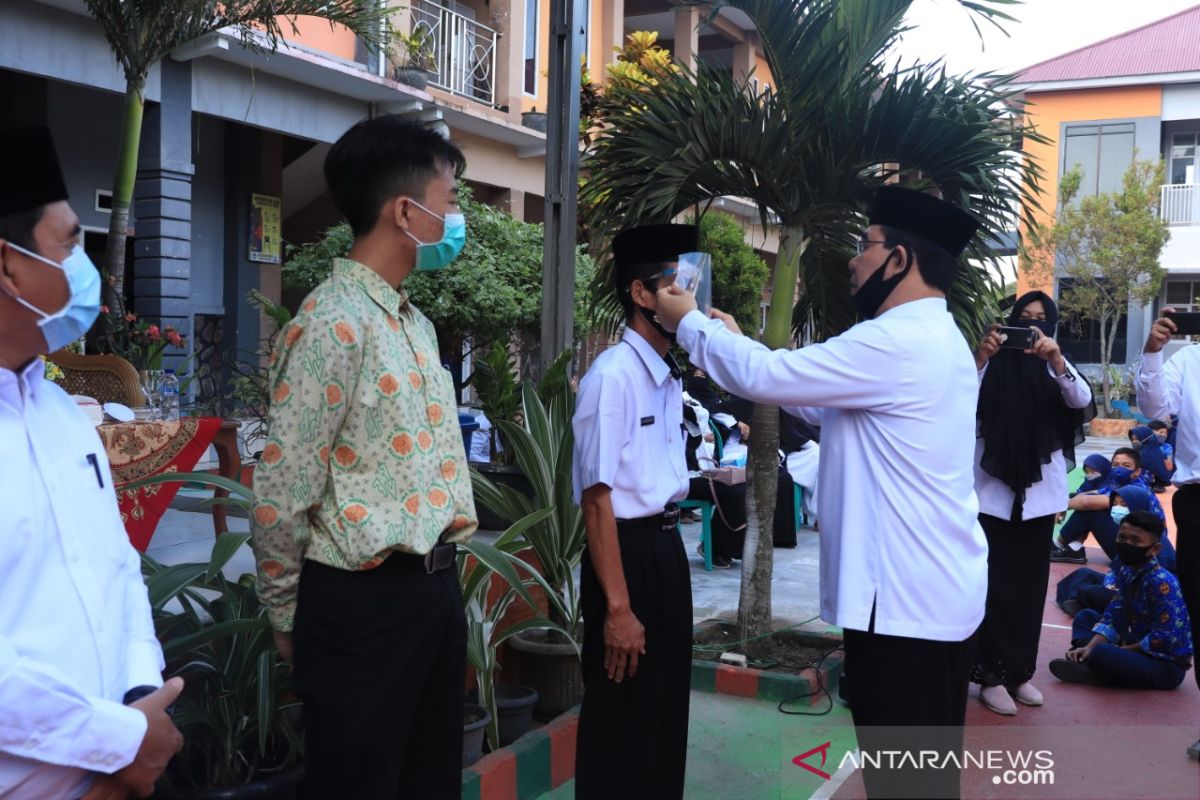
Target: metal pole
562,173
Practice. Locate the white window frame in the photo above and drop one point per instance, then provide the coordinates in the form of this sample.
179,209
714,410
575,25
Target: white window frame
537,56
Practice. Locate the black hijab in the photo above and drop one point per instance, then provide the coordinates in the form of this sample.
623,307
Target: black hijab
1021,415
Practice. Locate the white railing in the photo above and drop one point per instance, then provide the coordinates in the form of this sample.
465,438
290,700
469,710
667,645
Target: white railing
1179,203
464,50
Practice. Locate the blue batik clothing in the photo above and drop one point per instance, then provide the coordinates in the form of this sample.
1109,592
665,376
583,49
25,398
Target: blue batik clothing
1148,609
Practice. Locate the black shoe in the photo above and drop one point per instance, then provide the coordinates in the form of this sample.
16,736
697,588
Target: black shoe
1079,643
1194,751
722,563
1074,672
1065,555
1071,607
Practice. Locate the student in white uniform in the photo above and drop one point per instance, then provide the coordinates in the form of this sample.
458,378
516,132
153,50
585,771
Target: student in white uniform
629,470
81,708
1164,390
903,559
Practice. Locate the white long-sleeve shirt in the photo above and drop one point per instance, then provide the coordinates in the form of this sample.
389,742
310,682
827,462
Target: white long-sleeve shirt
1047,495
75,626
895,399
1174,388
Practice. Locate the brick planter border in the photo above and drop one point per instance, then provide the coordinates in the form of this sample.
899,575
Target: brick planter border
538,762
544,759
713,676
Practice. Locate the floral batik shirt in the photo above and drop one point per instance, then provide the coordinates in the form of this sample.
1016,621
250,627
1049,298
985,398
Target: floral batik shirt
363,457
1148,609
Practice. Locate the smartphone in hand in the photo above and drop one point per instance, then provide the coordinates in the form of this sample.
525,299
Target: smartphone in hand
1187,323
1017,338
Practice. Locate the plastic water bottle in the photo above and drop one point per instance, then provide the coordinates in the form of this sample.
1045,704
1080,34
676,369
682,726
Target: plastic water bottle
170,397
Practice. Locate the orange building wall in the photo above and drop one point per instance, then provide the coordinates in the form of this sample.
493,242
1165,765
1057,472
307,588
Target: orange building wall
762,71
317,34
596,50
1048,110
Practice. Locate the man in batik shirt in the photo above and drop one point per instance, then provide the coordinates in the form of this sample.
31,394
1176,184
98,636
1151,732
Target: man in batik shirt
362,489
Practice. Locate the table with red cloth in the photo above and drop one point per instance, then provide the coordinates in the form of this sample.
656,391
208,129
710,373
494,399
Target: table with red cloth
138,450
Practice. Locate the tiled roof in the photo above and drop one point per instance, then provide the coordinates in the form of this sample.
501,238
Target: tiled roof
1166,46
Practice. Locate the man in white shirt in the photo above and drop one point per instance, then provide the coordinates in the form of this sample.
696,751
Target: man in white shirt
903,558
1164,390
629,469
82,702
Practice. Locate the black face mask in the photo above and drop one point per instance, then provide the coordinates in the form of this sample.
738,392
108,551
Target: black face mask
1131,555
1046,328
875,290
654,323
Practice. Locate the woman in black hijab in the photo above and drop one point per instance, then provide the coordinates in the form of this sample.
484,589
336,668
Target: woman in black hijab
1032,408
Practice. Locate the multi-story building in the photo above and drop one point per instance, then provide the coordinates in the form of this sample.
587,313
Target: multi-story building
1137,92
225,125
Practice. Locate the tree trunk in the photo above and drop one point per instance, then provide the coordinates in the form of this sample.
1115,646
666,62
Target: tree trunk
754,604
1106,357
1105,379
123,180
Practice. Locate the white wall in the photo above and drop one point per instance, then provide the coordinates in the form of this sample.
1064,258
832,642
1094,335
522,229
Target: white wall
87,131
1181,101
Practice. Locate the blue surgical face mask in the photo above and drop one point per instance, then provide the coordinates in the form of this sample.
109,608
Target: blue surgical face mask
439,254
1122,475
1119,513
74,319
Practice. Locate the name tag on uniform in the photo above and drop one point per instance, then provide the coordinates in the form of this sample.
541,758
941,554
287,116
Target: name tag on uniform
647,421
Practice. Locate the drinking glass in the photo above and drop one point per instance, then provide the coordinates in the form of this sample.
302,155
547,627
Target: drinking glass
152,380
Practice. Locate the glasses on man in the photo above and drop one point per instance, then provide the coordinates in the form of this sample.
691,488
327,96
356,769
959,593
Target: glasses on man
862,244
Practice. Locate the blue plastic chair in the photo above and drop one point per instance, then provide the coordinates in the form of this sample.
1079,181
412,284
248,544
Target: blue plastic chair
1123,408
705,506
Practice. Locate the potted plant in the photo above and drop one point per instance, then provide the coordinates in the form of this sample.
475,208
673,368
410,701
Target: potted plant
534,119
510,707
237,713
419,62
542,443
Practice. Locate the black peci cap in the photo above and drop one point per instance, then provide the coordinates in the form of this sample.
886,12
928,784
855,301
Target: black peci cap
651,244
32,176
923,215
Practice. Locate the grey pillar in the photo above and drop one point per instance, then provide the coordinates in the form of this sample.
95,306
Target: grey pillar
163,208
562,174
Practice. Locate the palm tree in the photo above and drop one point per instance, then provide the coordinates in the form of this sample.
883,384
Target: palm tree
143,32
809,153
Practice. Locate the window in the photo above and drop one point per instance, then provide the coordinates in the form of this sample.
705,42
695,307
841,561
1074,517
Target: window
1103,152
531,46
1183,158
1182,295
1079,338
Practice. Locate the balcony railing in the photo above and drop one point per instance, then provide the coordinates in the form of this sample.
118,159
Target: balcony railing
1179,203
464,50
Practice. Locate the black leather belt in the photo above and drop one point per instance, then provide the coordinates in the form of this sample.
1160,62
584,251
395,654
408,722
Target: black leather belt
667,520
442,556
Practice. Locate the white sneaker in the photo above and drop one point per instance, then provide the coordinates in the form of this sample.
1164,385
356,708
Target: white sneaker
996,698
1027,694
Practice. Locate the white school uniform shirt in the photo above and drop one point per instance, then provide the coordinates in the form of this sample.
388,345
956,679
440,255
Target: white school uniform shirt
895,400
1174,388
1048,495
629,430
75,626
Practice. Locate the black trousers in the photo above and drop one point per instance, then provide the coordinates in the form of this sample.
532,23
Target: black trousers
632,740
1186,506
1006,646
908,695
380,663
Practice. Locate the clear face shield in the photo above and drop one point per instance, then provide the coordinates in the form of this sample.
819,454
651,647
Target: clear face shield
694,275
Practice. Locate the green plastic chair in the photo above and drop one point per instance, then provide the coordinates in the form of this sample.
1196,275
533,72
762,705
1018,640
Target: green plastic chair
798,505
705,506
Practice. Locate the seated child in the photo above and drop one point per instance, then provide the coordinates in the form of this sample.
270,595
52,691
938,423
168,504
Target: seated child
1143,639
1163,432
1092,510
1087,588
1150,450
